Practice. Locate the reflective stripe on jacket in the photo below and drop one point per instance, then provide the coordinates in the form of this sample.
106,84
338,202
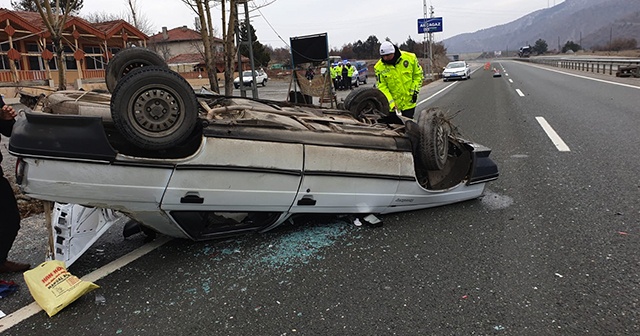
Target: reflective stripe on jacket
398,82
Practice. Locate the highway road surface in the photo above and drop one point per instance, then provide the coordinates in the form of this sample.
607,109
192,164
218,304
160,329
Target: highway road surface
551,249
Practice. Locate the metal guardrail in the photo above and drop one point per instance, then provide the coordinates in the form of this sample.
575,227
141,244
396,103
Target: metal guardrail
617,67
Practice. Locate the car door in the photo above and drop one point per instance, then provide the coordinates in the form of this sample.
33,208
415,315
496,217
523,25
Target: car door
236,175
349,180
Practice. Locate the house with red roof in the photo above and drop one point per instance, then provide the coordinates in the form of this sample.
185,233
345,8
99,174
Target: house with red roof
26,51
183,50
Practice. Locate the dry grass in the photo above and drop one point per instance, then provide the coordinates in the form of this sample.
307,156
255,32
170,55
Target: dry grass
27,205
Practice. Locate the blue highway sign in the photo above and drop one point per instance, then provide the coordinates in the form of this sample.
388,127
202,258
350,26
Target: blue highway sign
429,25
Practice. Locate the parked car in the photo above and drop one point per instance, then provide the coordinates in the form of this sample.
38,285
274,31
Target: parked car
247,78
458,69
360,77
199,166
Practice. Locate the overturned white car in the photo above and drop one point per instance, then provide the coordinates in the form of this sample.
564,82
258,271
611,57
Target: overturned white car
200,166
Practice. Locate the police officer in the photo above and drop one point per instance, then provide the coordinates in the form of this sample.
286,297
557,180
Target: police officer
334,75
346,80
399,77
10,220
350,71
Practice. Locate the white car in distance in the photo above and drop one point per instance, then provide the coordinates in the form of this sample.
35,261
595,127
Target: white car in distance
457,69
247,78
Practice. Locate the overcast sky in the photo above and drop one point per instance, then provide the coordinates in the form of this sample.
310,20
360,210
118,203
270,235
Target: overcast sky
343,21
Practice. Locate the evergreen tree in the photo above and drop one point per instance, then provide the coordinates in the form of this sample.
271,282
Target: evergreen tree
540,47
570,45
261,56
410,45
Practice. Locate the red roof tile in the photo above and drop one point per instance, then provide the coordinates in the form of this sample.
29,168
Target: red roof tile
178,34
186,58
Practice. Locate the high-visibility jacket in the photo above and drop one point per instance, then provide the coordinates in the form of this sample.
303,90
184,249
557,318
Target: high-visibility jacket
334,72
350,70
399,82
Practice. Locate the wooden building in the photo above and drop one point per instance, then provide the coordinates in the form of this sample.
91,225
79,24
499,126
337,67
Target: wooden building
26,51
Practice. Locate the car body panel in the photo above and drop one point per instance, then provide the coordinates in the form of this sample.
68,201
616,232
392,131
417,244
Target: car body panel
232,174
348,180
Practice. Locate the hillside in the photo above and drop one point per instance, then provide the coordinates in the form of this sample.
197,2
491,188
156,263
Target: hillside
593,22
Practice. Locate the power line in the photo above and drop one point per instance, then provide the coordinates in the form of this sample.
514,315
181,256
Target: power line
270,26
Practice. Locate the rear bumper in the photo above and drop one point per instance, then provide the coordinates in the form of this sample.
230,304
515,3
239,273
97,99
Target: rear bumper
483,168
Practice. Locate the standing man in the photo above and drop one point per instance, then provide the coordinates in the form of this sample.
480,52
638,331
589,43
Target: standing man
10,216
346,80
350,71
334,74
399,77
339,75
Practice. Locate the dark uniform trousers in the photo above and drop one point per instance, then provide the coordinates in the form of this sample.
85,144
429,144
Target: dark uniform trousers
9,218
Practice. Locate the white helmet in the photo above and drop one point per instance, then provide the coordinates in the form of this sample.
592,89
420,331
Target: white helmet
387,48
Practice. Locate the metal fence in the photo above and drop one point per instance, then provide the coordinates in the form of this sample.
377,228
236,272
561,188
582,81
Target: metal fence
615,67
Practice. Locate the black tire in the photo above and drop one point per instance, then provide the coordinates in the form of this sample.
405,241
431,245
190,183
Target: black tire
434,138
367,104
351,95
154,108
128,59
264,82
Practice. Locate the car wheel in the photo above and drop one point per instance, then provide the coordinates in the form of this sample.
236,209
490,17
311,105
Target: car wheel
364,81
264,82
434,138
154,108
356,85
127,60
367,104
237,86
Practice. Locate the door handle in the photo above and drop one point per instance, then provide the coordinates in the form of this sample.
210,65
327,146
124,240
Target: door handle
306,201
192,198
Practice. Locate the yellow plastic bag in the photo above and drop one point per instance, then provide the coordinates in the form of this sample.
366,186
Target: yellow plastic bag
53,287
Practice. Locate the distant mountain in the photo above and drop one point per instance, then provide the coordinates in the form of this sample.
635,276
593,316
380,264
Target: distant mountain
586,22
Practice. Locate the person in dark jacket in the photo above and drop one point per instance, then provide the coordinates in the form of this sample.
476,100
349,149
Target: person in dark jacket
10,220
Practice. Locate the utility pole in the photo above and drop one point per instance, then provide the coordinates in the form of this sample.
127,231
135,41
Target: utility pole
431,45
424,40
249,43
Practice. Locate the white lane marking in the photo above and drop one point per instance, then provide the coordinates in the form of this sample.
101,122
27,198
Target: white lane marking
585,77
520,93
437,93
555,138
33,308
506,74
510,80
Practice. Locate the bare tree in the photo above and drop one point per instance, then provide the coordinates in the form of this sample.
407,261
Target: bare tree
201,8
55,24
140,21
229,24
